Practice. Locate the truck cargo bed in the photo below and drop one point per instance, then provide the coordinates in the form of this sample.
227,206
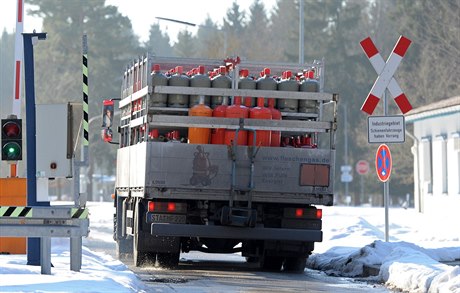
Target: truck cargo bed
175,170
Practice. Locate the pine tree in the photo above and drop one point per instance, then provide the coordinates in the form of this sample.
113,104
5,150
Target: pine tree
285,31
210,40
234,25
158,42
58,61
430,70
257,34
185,46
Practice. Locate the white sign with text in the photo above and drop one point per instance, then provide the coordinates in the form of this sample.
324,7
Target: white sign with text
386,129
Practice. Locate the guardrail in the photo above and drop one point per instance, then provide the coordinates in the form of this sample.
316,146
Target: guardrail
46,223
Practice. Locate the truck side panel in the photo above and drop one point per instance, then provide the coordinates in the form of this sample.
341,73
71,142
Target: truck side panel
209,167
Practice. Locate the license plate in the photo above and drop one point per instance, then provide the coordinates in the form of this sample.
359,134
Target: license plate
167,218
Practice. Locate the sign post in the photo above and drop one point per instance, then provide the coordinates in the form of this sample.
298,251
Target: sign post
30,39
386,129
383,164
346,178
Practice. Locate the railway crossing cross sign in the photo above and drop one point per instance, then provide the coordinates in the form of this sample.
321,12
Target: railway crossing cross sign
385,72
383,163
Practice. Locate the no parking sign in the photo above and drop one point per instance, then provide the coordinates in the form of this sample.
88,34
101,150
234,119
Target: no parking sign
383,162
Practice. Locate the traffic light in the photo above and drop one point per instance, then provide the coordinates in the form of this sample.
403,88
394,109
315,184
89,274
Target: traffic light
11,139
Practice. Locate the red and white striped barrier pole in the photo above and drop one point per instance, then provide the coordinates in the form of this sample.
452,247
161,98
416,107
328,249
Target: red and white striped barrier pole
18,57
386,72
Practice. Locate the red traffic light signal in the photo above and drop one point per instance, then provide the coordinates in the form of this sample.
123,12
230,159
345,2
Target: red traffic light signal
11,139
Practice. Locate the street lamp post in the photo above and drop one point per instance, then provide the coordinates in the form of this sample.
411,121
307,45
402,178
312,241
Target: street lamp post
197,25
301,34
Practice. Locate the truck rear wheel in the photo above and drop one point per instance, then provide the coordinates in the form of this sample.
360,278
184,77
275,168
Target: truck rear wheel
168,260
272,263
140,256
125,248
295,264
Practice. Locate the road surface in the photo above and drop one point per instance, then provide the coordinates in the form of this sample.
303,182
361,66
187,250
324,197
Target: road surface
199,272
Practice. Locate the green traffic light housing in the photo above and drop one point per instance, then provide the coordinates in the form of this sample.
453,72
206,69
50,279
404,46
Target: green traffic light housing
11,139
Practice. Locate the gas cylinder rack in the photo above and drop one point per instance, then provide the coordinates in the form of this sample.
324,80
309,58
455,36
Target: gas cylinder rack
139,115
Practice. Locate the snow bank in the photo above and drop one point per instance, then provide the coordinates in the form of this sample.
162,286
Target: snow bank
99,273
409,262
415,271
400,265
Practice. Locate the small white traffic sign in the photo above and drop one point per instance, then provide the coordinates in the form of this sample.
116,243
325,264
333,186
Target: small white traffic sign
386,129
346,176
362,167
345,168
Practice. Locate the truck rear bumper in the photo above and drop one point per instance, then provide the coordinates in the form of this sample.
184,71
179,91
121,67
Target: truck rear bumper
243,233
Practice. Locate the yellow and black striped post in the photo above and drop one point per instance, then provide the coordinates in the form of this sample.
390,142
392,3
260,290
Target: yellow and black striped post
15,211
85,142
85,91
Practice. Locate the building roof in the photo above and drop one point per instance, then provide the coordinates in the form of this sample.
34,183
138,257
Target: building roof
439,108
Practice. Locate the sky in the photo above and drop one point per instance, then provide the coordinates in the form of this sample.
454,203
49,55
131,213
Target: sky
353,239
143,12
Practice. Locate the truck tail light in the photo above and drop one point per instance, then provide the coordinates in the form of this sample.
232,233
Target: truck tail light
171,206
319,214
151,206
299,213
166,207
303,213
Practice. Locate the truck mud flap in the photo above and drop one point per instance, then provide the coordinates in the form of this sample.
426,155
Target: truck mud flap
226,232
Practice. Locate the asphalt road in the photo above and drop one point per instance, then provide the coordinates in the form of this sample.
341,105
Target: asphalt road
199,272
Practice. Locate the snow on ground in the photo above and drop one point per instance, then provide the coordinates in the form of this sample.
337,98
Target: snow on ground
99,272
353,242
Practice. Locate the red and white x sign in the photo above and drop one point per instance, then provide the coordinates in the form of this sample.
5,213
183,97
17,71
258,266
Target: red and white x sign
385,72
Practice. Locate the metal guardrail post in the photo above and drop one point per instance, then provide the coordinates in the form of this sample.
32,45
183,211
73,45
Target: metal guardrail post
45,255
75,253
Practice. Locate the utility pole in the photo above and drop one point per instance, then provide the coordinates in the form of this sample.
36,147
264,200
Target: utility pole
301,34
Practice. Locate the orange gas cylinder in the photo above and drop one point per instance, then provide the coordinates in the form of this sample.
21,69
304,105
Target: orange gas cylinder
218,134
199,135
276,115
263,137
236,111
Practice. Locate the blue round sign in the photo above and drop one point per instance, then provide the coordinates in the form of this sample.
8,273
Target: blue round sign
383,163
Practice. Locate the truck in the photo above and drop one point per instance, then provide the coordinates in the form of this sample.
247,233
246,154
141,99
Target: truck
173,195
